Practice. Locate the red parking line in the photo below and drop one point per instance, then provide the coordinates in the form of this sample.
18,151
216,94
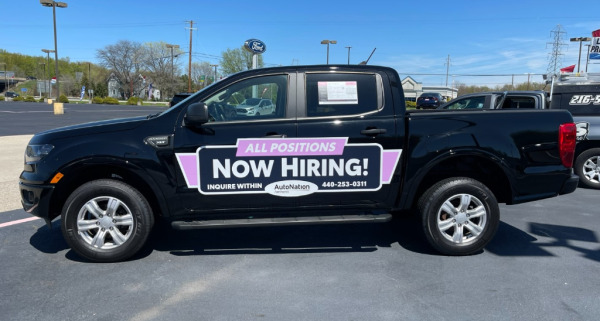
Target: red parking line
19,221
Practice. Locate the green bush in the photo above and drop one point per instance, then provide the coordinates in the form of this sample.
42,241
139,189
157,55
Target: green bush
111,101
1,98
63,99
19,98
134,101
411,104
29,99
98,100
41,100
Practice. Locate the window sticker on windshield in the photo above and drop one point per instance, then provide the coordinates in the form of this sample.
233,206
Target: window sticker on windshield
289,167
337,93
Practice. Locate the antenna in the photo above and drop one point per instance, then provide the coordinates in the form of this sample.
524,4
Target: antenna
367,61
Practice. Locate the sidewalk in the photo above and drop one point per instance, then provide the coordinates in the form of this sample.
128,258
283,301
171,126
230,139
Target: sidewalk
11,166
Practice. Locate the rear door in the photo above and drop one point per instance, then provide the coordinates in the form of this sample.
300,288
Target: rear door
354,112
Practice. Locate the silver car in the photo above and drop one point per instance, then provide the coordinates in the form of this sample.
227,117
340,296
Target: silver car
255,107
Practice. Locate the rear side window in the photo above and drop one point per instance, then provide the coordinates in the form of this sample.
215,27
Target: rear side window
519,102
335,94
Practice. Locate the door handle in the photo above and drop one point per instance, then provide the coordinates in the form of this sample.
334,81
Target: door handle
274,135
373,131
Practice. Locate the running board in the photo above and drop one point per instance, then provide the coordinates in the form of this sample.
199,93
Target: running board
281,221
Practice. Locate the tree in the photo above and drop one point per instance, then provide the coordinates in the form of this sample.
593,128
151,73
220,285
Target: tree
156,61
236,60
202,73
124,59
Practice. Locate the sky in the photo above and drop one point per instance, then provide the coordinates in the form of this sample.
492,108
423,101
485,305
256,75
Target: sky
414,37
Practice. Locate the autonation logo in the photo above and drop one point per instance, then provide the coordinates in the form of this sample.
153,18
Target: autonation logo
291,188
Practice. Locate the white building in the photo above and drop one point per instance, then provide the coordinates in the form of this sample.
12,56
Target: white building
413,89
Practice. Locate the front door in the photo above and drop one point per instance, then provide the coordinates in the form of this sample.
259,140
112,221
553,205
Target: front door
228,162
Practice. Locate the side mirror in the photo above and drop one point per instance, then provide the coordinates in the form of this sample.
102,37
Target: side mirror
196,114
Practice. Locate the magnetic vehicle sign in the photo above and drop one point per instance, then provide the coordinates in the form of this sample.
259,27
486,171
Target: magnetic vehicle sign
289,167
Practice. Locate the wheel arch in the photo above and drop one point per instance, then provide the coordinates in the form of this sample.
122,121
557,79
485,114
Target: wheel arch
480,166
81,172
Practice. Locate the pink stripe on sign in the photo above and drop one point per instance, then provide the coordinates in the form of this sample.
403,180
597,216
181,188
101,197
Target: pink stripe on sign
189,166
19,221
389,161
290,146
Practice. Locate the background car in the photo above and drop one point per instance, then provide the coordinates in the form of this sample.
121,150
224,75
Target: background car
255,107
178,97
11,94
429,100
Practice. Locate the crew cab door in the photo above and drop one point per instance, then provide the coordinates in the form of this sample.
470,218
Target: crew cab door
213,171
357,108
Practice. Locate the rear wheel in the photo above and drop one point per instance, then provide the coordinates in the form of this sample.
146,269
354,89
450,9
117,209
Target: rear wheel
460,216
587,167
106,220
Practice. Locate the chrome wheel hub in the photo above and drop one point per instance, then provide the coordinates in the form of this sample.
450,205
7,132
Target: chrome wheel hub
462,218
105,222
591,169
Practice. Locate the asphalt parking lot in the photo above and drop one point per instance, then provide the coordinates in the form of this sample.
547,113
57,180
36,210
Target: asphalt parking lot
543,263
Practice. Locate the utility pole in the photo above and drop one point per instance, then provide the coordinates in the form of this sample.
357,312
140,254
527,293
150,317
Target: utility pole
447,69
348,54
172,68
215,80
190,60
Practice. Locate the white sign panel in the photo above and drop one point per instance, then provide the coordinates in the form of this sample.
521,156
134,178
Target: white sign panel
338,93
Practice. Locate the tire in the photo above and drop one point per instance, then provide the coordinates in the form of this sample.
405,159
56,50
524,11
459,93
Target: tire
460,216
106,221
587,167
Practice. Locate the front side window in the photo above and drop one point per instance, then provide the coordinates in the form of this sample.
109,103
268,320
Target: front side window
250,99
335,94
468,103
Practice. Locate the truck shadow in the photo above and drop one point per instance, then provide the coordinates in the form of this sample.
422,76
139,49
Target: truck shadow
291,239
404,230
510,241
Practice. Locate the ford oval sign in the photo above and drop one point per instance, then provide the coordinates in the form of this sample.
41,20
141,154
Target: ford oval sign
255,46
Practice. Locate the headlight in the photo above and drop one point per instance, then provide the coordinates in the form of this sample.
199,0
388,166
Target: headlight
34,153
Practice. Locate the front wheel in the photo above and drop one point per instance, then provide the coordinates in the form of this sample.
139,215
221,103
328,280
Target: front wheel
106,220
587,167
460,216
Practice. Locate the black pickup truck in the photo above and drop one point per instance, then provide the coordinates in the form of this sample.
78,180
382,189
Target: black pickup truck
337,146
580,95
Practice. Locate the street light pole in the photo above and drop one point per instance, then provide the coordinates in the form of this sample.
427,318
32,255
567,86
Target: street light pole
45,83
54,4
327,42
587,55
48,51
581,40
5,88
